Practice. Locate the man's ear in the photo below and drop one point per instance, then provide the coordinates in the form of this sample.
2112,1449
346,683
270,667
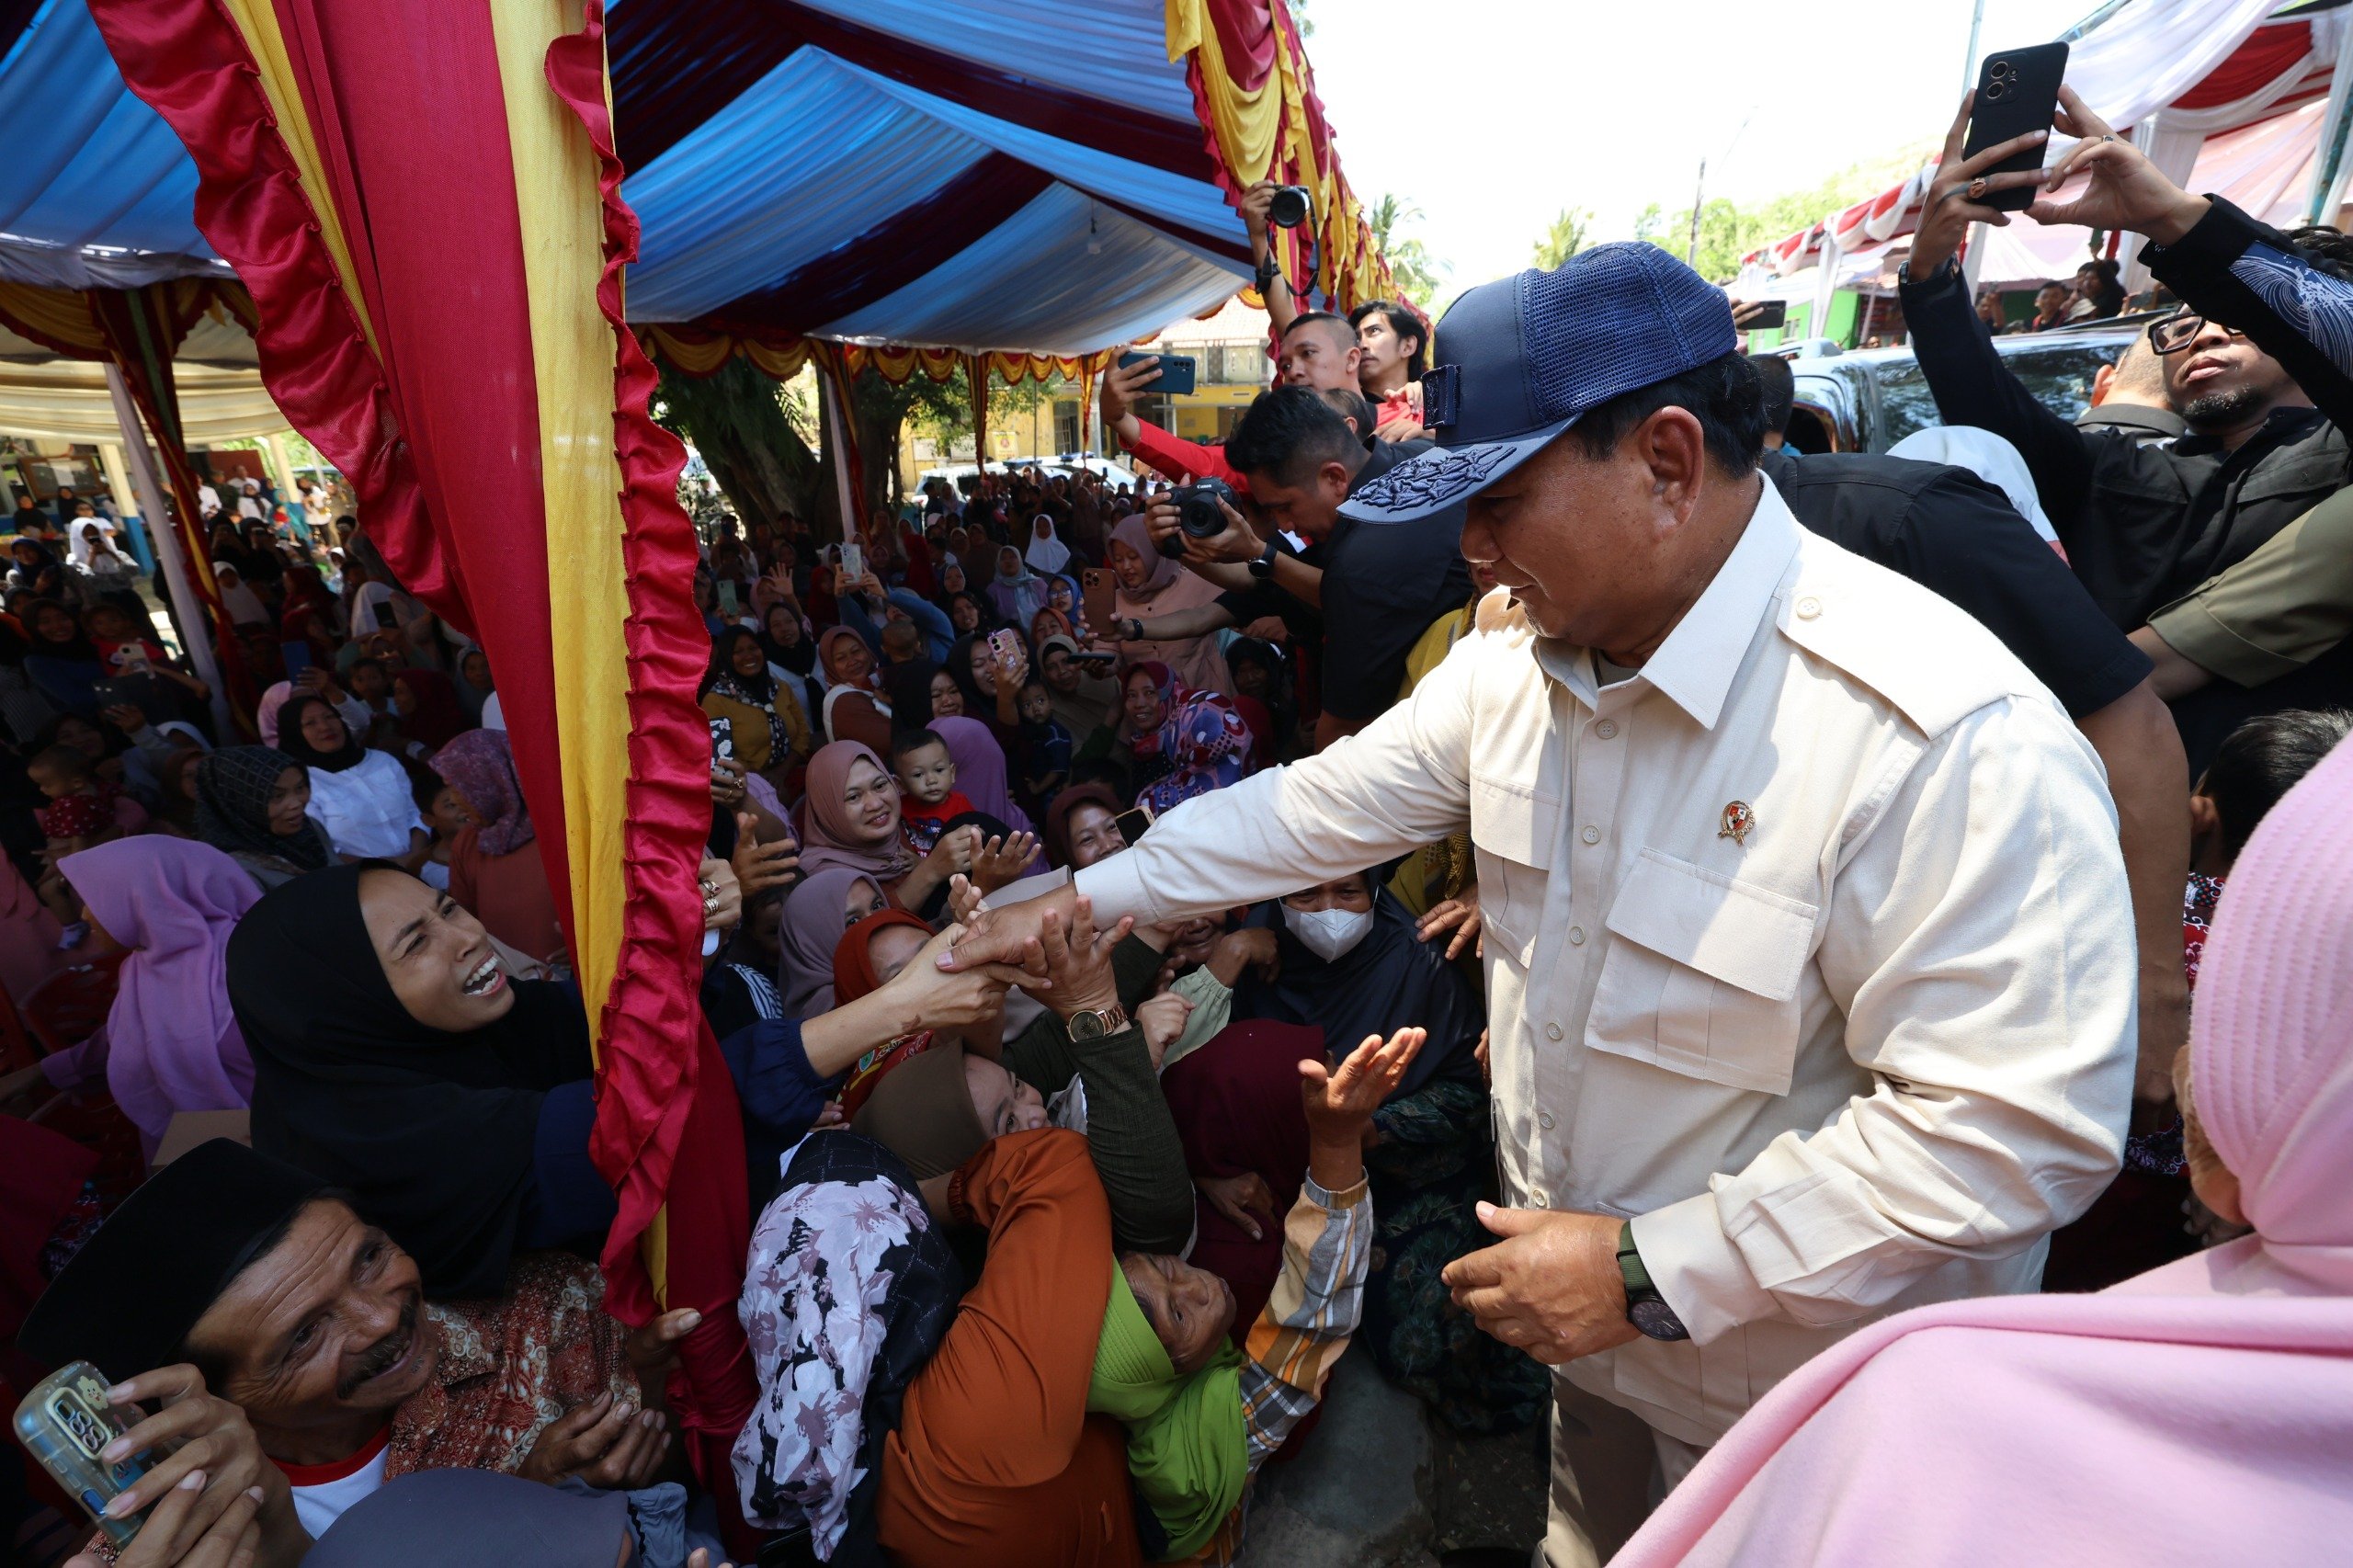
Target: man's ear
1673,446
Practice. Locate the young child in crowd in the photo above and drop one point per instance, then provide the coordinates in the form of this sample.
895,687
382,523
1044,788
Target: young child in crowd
121,647
1045,746
82,806
929,799
2256,765
447,817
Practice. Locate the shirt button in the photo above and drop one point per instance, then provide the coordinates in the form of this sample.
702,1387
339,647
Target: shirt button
1576,936
1606,729
1542,1201
1551,1032
1808,607
1544,1120
1591,835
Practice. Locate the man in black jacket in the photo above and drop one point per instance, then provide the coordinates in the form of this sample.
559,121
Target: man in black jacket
2144,524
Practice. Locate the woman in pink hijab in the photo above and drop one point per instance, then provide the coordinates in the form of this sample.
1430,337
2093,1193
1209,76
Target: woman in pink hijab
170,1043
2200,1413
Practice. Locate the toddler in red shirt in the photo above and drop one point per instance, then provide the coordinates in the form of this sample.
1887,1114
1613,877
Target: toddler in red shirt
928,799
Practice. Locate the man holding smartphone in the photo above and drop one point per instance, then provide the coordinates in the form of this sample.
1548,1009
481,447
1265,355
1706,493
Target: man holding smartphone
1809,951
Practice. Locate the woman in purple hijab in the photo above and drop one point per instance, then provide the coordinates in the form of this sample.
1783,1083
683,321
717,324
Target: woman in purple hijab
981,776
170,1043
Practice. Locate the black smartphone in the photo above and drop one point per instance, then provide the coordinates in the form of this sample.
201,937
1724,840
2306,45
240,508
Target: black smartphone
296,655
385,620
2017,91
1175,374
114,694
1766,315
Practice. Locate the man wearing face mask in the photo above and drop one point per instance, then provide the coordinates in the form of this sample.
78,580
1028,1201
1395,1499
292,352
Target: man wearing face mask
1810,958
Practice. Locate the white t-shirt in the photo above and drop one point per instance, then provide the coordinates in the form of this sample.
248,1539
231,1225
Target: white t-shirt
367,809
318,1503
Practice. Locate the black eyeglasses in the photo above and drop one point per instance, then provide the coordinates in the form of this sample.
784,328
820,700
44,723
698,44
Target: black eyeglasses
2180,329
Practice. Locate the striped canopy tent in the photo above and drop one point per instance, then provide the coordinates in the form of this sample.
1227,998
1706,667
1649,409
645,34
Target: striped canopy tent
432,203
1051,176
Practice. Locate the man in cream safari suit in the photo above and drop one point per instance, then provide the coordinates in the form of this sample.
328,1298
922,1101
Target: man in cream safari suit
1809,952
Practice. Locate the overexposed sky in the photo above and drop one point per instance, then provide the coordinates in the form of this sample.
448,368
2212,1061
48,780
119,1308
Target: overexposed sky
1493,115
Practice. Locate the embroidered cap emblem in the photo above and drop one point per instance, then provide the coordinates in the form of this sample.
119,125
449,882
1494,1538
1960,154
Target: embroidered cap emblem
1738,820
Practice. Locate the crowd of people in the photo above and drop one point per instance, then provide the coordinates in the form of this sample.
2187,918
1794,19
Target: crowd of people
1501,860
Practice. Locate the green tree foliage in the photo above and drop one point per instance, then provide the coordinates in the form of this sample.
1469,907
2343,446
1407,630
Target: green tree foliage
1571,232
1728,231
1418,273
736,420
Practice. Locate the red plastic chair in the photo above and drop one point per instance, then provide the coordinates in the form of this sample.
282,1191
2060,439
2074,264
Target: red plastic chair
67,1009
64,1011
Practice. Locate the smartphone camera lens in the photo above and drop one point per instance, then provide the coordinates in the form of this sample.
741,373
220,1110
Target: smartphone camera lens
1996,90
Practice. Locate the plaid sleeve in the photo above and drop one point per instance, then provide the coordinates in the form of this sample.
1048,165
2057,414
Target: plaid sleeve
1327,1245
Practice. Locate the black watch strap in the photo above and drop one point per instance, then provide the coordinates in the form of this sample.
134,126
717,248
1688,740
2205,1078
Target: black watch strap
1263,566
1645,1307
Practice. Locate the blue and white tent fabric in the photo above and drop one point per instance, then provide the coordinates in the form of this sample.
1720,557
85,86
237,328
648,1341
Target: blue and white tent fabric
977,174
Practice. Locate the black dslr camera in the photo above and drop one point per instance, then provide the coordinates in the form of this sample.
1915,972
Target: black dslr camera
1198,514
1291,207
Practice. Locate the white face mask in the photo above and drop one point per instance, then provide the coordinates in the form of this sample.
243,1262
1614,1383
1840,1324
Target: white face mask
1328,933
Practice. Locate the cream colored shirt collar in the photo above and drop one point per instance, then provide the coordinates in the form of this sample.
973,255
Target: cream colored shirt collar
1694,668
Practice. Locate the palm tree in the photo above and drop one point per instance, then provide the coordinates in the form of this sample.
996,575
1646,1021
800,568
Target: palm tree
1565,238
1418,273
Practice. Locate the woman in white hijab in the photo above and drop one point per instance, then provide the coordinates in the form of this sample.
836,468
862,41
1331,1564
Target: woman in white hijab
1991,458
243,604
1046,552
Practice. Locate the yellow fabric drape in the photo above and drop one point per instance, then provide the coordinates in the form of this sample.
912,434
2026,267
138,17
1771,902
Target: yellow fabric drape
572,351
257,20
59,315
695,357
1248,125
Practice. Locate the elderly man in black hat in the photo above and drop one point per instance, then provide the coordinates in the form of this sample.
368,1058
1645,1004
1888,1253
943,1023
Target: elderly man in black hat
289,1347
1809,951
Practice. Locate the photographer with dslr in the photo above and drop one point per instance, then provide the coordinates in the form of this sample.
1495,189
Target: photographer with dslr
1377,589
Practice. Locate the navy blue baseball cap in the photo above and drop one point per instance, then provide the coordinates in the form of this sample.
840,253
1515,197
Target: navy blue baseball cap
1519,361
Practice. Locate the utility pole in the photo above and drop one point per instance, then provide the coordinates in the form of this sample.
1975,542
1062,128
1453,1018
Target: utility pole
1698,194
1969,60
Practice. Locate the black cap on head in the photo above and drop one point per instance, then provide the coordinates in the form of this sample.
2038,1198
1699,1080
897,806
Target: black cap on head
128,1299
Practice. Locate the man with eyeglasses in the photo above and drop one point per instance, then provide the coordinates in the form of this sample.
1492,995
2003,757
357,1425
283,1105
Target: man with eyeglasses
2144,524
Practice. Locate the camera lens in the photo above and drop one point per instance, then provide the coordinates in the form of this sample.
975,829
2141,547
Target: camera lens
1998,90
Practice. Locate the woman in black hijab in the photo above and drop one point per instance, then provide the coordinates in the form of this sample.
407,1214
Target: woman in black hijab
1347,959
253,804
784,638
392,1057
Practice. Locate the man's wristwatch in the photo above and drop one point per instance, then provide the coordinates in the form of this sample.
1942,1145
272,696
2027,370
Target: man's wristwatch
1645,1307
1096,1023
1263,568
1903,273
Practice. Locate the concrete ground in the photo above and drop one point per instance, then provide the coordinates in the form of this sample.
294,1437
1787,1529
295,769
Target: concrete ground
1382,1485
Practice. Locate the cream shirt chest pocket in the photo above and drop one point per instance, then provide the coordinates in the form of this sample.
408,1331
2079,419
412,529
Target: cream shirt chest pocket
1513,823
1702,977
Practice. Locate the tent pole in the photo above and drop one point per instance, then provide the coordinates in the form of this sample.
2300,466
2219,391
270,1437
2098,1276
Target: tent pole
194,621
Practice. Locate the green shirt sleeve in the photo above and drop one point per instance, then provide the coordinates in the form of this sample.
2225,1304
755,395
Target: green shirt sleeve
2275,611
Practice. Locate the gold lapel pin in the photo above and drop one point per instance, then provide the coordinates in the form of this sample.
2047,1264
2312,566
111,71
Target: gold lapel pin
1738,819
